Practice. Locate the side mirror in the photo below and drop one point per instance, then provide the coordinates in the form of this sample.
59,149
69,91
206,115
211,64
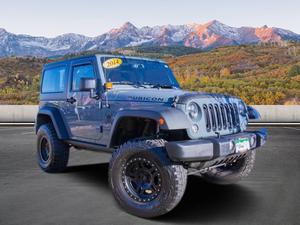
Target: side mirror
89,84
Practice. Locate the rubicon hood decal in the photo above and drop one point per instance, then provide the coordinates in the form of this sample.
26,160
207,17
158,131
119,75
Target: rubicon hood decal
146,99
144,95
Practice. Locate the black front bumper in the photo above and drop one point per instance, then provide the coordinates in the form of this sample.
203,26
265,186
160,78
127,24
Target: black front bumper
207,149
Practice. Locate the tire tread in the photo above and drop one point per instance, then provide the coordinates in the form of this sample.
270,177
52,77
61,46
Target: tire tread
60,150
179,172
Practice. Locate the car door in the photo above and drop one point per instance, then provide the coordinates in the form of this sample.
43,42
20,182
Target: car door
84,113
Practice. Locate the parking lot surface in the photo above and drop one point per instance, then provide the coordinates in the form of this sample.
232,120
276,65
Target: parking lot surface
81,195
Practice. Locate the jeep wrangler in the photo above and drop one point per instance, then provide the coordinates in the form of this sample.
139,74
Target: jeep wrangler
157,133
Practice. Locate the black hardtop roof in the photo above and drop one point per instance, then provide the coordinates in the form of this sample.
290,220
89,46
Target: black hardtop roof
66,61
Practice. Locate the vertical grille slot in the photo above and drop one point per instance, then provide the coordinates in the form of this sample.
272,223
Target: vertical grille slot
233,115
213,117
224,118
228,115
218,114
236,114
207,119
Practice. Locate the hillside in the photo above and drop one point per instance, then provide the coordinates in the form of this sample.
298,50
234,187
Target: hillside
260,74
19,80
159,51
264,75
144,51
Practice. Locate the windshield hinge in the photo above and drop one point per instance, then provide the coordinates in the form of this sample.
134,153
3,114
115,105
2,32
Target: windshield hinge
175,101
104,99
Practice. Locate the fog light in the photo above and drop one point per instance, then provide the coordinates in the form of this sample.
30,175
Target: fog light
195,128
252,141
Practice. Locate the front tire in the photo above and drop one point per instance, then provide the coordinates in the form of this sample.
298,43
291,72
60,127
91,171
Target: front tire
52,153
231,173
143,179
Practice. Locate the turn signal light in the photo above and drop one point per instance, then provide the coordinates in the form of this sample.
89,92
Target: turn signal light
161,121
108,85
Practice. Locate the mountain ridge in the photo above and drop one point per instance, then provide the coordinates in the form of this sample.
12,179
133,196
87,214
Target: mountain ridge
210,35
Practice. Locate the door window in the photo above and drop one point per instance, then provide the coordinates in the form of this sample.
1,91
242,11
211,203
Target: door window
82,71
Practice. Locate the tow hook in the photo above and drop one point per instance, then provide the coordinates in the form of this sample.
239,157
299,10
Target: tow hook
205,170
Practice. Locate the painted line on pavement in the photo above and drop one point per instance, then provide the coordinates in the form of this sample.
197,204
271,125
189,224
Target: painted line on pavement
292,128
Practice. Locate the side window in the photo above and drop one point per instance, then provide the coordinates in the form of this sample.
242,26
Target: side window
54,80
84,71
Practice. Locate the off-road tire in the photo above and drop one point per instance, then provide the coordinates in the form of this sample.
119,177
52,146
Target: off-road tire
232,173
58,150
173,178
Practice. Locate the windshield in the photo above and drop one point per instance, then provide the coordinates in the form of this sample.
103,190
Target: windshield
121,70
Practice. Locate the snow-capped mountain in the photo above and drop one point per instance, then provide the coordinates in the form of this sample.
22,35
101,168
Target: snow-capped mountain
204,36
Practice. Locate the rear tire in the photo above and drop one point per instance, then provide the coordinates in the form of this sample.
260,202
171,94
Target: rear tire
143,179
52,153
231,173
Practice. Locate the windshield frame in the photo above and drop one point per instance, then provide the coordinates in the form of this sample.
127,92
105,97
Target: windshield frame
175,85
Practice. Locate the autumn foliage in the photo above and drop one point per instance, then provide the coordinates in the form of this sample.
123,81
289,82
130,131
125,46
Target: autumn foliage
264,75
259,74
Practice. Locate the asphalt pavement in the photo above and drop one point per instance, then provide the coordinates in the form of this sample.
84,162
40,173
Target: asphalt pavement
81,195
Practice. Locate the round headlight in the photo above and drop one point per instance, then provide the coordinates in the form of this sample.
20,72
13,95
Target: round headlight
242,108
193,110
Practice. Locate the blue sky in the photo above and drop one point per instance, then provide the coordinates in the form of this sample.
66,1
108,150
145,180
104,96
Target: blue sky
93,17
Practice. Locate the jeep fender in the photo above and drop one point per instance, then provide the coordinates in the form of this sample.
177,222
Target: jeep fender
174,119
56,119
253,114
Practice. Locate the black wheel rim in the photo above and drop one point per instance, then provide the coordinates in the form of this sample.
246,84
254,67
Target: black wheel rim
44,150
141,179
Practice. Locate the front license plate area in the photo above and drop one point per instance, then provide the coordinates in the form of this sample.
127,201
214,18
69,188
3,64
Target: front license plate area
242,145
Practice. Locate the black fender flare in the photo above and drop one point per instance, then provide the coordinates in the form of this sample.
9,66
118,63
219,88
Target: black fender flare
253,114
174,119
56,119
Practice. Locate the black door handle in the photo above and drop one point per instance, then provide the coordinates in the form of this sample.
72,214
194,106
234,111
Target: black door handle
71,100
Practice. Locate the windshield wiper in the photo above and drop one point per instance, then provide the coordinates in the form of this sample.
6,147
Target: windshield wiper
129,83
139,84
158,85
164,86
123,82
143,84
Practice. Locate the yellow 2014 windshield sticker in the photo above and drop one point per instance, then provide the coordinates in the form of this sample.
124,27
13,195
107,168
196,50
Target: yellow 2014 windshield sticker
112,63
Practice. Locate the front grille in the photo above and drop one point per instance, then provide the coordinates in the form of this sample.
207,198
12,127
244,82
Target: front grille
221,116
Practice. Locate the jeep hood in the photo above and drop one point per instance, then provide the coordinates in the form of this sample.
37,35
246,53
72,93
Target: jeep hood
159,95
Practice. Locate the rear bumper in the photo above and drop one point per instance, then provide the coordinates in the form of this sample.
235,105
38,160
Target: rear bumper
207,149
